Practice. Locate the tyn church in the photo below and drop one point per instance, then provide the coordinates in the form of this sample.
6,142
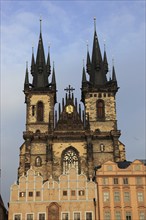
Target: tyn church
62,148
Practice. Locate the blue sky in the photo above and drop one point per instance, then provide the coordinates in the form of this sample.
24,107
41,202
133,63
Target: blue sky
66,26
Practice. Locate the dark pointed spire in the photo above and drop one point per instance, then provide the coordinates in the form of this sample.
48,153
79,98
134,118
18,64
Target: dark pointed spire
53,76
105,63
88,62
26,82
40,59
62,103
96,53
48,62
84,74
97,77
32,63
113,74
39,68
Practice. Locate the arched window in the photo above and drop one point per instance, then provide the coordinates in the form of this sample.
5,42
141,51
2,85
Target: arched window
38,162
70,159
40,111
100,109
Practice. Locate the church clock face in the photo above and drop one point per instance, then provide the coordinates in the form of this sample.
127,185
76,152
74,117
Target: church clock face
69,109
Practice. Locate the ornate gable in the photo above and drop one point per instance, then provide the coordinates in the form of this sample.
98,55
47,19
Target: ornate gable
70,118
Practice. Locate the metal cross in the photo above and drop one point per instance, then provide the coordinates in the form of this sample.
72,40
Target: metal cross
69,89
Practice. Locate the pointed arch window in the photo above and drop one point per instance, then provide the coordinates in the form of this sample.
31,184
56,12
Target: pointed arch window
100,109
38,162
70,159
40,111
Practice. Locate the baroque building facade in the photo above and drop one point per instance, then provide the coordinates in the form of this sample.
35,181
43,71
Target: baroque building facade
61,149
121,190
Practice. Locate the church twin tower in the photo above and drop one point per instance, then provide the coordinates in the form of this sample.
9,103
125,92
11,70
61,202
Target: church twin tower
55,141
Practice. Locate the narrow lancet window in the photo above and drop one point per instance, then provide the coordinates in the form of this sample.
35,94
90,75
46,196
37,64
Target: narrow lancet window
100,109
40,111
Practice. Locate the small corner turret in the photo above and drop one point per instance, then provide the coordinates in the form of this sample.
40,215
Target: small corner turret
26,82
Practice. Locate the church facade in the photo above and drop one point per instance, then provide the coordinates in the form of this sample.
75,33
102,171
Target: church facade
56,174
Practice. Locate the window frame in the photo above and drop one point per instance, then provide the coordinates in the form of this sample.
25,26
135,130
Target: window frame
125,181
73,192
106,196
29,214
64,193
140,196
75,160
81,192
126,198
44,213
142,217
65,213
105,181
118,217
108,217
38,163
17,214
40,111
76,212
38,194
139,181
100,110
128,215
89,212
22,194
115,180
117,197
30,194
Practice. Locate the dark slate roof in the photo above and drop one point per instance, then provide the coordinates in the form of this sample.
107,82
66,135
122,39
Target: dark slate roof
124,164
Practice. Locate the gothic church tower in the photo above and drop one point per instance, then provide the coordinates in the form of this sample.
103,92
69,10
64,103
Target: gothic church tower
63,148
40,98
55,141
99,98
